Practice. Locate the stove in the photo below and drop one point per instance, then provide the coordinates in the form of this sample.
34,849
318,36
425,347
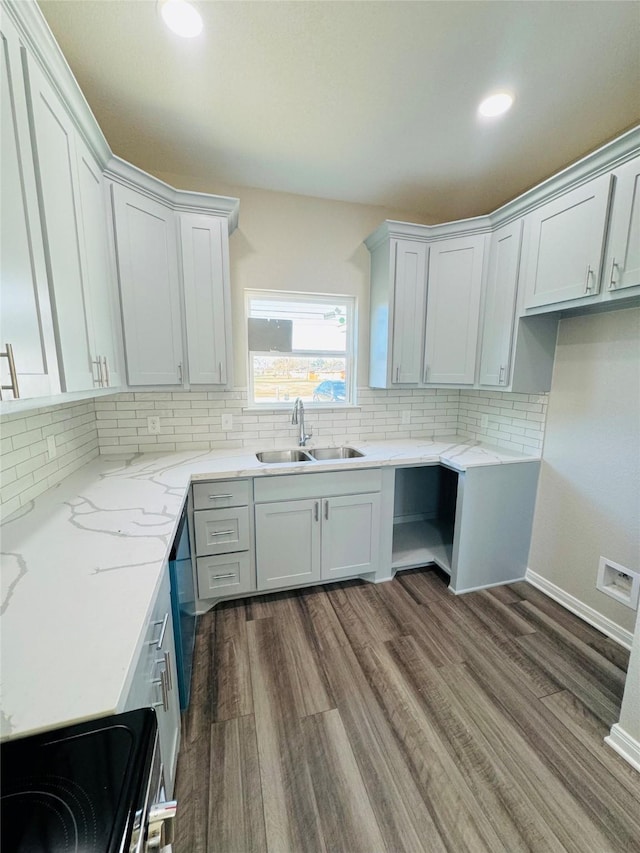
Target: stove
88,788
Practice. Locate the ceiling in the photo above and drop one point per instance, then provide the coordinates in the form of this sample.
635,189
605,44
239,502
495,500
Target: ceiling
371,102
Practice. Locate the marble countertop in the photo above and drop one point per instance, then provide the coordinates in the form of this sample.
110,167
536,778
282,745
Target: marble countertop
81,565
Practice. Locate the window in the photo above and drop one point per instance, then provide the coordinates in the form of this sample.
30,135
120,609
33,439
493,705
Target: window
300,345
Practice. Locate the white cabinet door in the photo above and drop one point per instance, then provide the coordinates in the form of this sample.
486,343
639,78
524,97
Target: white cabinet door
146,250
205,267
25,319
622,265
349,529
453,307
408,311
55,158
565,245
98,272
287,543
500,304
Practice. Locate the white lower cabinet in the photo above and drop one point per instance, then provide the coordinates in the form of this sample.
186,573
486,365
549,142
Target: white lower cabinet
302,541
155,681
222,534
288,543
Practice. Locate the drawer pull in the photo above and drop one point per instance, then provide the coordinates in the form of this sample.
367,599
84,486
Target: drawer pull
219,497
222,533
164,687
160,639
167,669
223,577
166,660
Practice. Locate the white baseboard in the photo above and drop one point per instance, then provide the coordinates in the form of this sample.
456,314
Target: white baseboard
593,617
485,586
625,745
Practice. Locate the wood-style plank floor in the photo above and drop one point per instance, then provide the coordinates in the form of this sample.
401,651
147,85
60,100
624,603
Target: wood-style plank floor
400,717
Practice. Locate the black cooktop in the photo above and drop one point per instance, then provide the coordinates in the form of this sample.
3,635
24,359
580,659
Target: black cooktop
76,790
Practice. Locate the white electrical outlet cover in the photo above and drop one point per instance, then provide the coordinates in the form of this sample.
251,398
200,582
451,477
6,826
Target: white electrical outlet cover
618,582
227,422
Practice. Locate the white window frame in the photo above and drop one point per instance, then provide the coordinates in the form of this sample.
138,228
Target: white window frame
350,353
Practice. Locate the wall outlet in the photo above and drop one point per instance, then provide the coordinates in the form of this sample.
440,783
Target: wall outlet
227,422
484,421
618,582
52,450
406,416
153,425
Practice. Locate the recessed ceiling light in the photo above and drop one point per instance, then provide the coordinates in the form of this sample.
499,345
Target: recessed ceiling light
496,104
181,17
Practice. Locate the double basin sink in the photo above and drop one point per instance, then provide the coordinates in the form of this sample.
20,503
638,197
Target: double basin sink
313,454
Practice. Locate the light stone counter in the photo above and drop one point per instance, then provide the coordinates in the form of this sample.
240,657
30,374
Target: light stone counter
81,565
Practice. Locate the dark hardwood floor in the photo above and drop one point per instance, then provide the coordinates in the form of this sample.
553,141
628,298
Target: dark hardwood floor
400,717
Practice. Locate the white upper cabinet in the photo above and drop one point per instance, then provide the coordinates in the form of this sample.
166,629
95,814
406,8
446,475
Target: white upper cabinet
55,160
566,244
26,323
622,263
453,305
500,304
397,304
98,272
408,310
147,259
205,272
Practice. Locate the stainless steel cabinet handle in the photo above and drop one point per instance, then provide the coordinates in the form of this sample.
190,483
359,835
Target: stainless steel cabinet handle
167,669
326,510
316,510
223,577
397,374
162,681
501,376
107,381
160,639
587,286
220,371
98,363
222,533
426,373
215,497
180,372
614,267
8,354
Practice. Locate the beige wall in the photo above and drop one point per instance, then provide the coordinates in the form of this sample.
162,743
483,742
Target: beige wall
588,500
297,243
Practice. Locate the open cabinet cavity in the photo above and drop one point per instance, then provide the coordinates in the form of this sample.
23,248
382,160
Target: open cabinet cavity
424,511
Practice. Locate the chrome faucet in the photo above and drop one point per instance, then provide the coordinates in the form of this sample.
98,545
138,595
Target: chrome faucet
297,417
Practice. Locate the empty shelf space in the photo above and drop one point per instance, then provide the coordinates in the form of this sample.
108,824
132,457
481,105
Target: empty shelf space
416,543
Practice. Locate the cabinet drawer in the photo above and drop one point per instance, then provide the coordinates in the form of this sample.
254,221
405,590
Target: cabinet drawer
221,493
325,484
219,531
223,575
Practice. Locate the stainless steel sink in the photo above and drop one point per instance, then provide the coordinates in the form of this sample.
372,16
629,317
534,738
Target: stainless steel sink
283,456
334,453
